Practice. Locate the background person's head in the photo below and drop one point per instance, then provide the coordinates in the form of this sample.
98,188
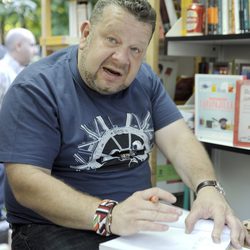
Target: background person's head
113,43
20,44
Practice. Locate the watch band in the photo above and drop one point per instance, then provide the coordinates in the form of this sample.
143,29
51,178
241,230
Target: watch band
212,183
103,217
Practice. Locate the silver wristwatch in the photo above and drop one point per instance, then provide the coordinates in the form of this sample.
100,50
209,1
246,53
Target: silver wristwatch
212,183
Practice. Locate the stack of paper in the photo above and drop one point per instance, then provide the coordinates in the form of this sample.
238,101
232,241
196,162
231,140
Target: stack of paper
173,239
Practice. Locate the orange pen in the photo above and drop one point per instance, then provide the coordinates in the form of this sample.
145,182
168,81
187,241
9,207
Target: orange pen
154,199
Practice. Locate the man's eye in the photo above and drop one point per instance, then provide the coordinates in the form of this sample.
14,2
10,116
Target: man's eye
136,50
112,40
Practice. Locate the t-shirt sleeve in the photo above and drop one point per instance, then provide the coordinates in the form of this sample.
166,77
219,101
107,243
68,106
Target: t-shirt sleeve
164,110
29,128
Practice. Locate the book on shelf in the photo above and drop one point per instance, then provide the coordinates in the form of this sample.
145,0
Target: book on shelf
184,6
236,16
243,16
241,67
232,67
212,17
164,17
222,16
171,11
242,114
173,239
221,68
214,107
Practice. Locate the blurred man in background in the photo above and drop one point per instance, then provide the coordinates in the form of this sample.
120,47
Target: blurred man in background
20,49
18,52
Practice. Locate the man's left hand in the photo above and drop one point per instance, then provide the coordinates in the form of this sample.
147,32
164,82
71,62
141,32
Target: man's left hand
210,204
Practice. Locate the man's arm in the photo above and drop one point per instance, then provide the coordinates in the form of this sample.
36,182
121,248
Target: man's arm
36,189
192,163
190,159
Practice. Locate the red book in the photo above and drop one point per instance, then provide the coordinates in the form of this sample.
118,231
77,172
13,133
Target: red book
242,114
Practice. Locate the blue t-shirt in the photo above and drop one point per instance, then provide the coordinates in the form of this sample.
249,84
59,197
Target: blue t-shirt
98,144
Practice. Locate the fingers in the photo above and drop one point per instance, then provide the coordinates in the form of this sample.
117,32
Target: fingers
235,243
159,215
238,235
219,223
149,226
191,219
237,239
157,193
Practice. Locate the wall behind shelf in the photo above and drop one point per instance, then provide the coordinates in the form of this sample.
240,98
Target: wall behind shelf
233,171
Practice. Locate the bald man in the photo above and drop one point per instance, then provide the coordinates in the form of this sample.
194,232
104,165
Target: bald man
19,43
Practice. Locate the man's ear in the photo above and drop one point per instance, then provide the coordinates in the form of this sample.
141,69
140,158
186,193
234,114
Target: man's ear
18,46
85,29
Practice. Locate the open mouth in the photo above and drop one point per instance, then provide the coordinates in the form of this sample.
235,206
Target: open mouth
111,71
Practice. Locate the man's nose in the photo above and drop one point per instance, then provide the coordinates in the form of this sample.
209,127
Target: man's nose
121,55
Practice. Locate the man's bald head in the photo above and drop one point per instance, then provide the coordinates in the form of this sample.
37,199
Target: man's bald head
20,43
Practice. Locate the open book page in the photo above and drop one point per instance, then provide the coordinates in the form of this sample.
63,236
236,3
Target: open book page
201,225
173,239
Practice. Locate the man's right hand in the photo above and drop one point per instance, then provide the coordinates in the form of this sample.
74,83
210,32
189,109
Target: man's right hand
140,213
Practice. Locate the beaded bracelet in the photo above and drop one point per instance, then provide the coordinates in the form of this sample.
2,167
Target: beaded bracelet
103,217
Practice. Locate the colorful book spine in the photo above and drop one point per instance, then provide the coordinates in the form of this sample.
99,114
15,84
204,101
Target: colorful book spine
184,6
246,16
212,17
241,16
220,17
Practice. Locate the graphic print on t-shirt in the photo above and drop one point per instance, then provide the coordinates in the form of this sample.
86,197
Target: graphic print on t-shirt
110,146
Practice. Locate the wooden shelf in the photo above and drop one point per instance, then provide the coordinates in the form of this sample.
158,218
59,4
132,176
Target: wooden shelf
58,41
48,42
53,43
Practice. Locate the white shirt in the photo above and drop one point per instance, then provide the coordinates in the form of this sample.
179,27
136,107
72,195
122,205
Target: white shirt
9,68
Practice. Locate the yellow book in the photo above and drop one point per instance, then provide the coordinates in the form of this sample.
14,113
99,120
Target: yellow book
184,5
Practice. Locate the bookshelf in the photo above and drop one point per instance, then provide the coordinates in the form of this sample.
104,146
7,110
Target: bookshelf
218,46
231,163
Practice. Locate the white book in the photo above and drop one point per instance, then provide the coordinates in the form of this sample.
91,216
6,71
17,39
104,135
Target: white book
173,239
225,21
214,107
171,12
237,17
